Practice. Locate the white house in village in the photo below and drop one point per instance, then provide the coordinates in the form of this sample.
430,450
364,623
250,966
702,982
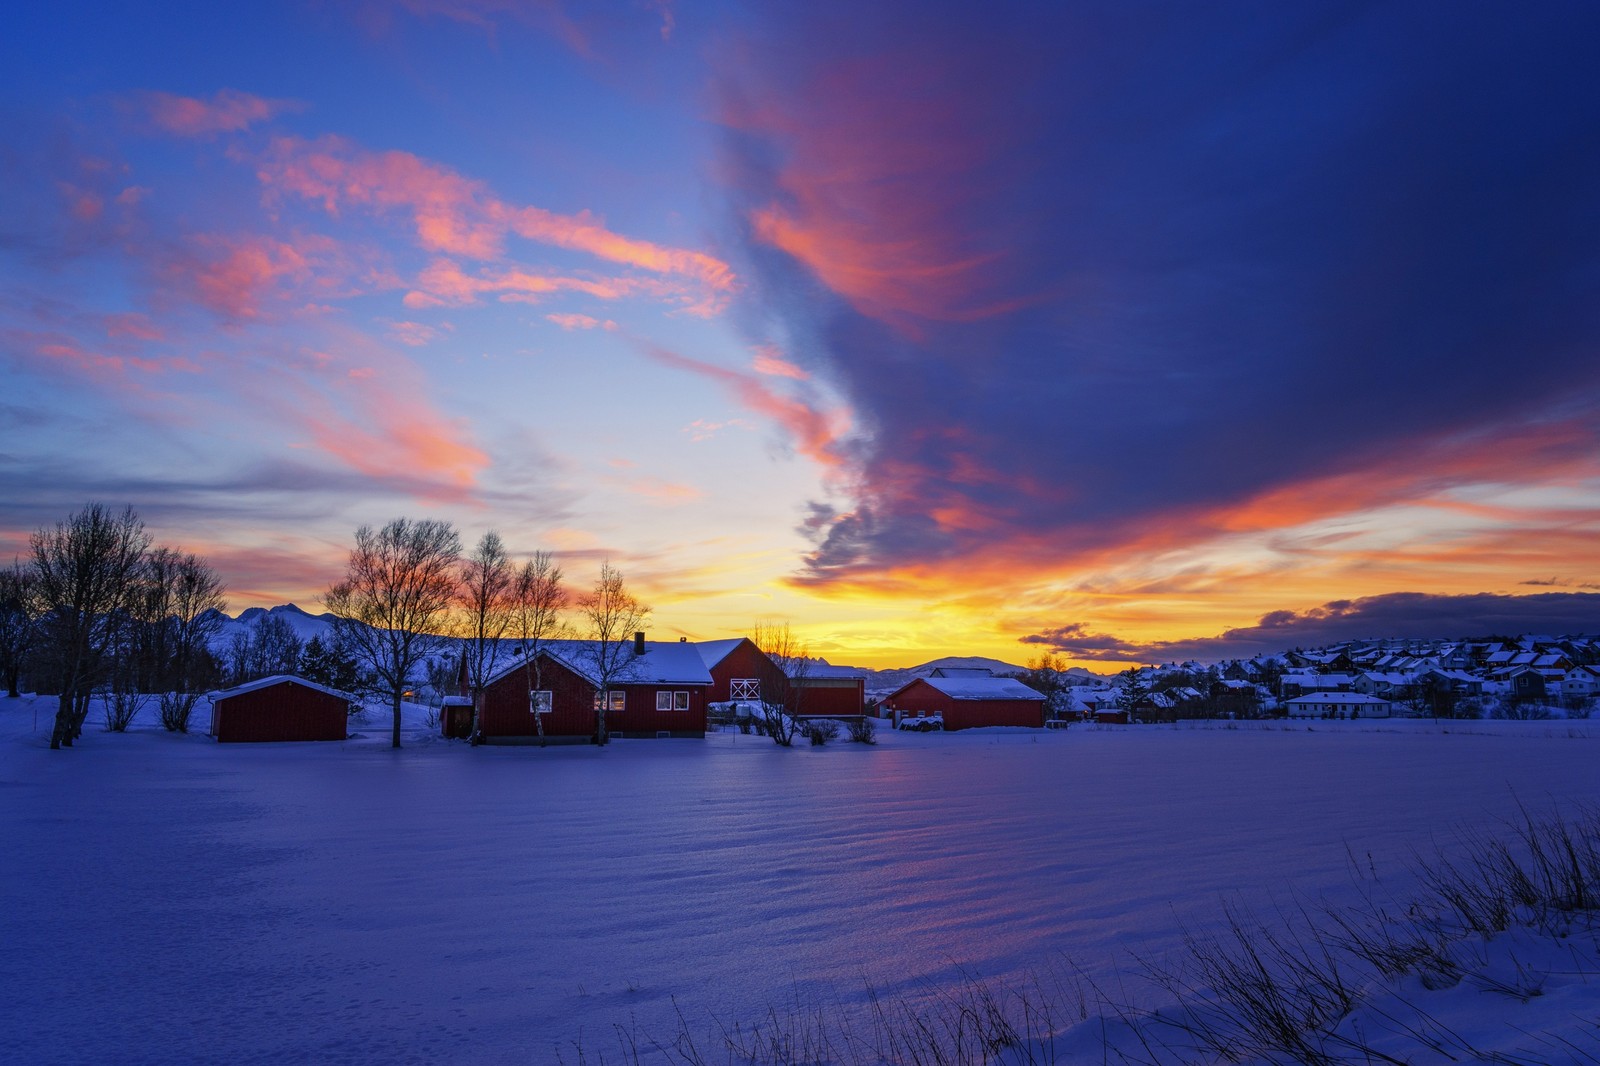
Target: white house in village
1337,705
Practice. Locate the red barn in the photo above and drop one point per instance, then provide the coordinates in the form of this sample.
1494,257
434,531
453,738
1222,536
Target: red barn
968,702
739,671
660,692
280,708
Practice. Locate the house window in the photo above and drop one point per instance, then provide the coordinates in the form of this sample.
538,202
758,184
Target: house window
615,700
539,701
680,701
744,688
663,701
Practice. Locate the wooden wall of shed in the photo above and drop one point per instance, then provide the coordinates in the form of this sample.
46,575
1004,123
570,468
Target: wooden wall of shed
285,711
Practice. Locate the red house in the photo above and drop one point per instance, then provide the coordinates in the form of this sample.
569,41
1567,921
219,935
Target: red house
968,702
660,691
280,708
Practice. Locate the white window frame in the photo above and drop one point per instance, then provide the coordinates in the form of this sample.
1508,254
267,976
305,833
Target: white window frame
540,701
680,701
663,700
745,688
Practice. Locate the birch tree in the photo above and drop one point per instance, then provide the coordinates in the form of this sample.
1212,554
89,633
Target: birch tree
488,582
613,615
538,598
394,601
87,569
792,658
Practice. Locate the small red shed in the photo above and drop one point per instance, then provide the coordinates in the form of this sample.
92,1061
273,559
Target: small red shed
280,707
828,691
969,702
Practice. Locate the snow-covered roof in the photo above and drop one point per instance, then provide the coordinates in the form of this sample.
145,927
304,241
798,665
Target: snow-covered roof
981,688
713,652
828,670
277,679
962,671
663,662
1336,697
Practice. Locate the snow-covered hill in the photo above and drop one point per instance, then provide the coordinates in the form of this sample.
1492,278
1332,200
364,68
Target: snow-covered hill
304,624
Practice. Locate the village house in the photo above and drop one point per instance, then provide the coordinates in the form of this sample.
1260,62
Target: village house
1337,705
970,699
660,689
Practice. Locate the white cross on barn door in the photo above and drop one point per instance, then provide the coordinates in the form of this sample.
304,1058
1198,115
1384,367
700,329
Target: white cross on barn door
744,688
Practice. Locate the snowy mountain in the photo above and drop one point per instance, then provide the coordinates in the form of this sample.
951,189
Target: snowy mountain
304,624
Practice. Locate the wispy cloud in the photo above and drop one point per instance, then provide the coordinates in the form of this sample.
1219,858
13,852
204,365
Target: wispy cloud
227,111
817,433
458,216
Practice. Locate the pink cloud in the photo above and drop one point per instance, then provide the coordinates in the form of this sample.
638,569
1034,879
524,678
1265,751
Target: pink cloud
816,433
459,216
770,362
416,334
229,111
576,321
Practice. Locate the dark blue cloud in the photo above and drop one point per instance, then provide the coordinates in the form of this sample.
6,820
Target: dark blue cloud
1195,253
1396,615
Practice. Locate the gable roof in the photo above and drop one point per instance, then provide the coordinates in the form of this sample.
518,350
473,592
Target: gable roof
663,662
713,652
976,688
278,679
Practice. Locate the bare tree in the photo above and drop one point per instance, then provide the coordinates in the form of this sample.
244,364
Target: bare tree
268,646
488,583
792,658
87,569
19,622
613,615
191,599
395,598
537,599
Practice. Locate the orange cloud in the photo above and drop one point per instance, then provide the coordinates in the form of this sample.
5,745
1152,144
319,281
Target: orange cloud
444,284
459,216
816,433
229,111
375,420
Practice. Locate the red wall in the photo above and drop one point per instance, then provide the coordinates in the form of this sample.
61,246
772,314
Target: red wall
506,711
285,711
833,700
745,660
968,714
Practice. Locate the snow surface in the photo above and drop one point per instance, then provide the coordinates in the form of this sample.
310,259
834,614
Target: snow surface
170,899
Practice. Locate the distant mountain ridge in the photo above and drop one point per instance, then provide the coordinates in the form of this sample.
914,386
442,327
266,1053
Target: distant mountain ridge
307,625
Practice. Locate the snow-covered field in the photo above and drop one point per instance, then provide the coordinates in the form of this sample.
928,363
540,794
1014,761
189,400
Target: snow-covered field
168,899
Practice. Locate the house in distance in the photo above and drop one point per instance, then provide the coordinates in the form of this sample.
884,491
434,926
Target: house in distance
966,698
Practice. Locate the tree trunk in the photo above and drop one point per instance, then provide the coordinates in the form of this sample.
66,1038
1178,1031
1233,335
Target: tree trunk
61,735
397,694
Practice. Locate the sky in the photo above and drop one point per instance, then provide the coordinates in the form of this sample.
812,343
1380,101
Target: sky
1126,331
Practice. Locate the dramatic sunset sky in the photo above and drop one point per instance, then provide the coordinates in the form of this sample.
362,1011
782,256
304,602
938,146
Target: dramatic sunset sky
1134,331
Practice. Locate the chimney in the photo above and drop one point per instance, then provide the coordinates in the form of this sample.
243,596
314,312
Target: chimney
638,643
683,640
